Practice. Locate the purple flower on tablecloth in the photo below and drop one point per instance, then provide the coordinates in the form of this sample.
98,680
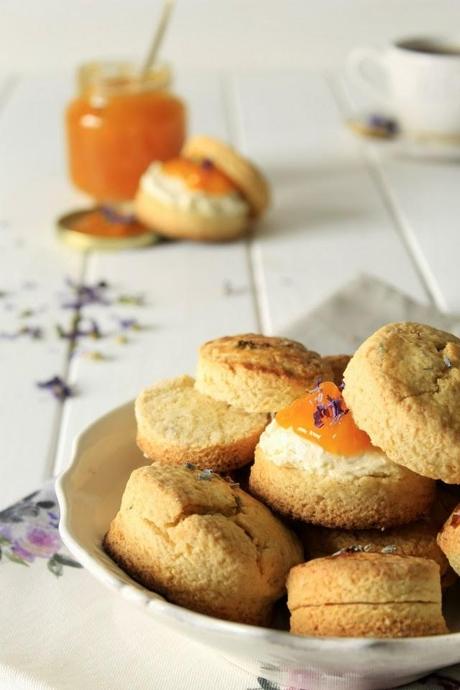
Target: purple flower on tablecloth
20,552
40,542
5,534
28,531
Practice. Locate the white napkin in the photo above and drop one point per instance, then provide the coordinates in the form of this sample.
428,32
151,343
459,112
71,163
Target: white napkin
349,316
61,629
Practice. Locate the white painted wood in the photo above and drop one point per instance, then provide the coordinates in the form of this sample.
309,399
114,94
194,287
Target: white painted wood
206,34
193,292
33,268
329,222
423,195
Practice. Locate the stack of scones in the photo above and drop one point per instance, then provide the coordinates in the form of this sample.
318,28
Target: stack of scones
349,467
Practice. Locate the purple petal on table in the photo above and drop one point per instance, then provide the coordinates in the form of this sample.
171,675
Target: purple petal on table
57,387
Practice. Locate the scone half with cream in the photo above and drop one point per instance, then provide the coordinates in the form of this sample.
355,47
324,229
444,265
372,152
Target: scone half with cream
314,464
210,192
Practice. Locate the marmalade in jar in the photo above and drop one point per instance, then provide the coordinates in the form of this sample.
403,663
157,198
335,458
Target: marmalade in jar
118,124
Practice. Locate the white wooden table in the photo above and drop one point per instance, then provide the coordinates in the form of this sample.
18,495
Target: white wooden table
342,207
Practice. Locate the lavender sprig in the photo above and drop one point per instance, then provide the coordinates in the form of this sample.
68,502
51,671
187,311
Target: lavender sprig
87,294
57,387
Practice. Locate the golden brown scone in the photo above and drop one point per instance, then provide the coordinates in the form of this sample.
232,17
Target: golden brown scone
366,595
338,364
416,539
258,373
176,222
178,424
300,480
202,542
403,387
449,539
210,193
247,177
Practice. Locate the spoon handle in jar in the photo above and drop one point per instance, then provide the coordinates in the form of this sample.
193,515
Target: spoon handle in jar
158,37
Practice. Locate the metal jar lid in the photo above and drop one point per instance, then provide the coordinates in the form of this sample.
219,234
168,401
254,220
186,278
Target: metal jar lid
124,233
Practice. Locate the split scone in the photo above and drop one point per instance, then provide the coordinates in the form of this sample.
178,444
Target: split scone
416,539
366,595
258,373
313,463
210,192
449,539
202,543
178,424
403,386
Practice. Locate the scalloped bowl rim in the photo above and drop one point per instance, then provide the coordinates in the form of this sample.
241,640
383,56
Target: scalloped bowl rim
154,603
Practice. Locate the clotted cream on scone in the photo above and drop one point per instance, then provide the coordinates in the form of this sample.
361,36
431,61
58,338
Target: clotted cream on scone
314,464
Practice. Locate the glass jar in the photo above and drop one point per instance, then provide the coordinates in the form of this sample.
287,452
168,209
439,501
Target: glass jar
118,124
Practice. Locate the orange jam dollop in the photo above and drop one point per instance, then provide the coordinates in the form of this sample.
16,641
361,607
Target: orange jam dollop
323,418
200,175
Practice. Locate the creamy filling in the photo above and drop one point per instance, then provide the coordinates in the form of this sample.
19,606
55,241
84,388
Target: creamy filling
285,448
173,191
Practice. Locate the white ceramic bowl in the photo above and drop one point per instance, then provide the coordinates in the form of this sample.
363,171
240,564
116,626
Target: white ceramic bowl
89,494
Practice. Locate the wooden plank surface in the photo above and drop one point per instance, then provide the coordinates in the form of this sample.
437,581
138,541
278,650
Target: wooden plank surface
422,191
34,269
329,222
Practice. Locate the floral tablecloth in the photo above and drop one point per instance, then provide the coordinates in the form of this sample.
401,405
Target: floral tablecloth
62,629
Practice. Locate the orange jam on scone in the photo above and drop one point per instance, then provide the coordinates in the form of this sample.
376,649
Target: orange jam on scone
200,175
322,417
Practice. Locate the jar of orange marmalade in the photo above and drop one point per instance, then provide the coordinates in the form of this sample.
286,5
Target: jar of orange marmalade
118,124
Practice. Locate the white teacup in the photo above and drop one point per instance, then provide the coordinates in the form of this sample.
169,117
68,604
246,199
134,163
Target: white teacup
419,79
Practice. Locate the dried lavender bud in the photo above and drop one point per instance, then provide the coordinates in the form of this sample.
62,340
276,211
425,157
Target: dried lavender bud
386,124
57,387
135,300
354,548
190,466
86,294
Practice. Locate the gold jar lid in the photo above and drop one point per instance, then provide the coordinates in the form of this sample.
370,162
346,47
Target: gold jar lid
99,228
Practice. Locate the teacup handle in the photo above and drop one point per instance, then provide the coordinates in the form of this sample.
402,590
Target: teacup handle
362,63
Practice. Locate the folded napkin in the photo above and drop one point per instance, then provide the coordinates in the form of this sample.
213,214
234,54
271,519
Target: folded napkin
62,629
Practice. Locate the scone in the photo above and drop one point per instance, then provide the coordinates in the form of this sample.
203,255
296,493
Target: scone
403,386
178,424
208,193
338,364
416,539
449,539
312,463
258,373
366,595
202,542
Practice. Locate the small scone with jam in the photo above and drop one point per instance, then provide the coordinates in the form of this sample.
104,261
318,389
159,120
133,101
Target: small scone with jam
202,542
314,464
210,192
178,424
366,595
258,373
